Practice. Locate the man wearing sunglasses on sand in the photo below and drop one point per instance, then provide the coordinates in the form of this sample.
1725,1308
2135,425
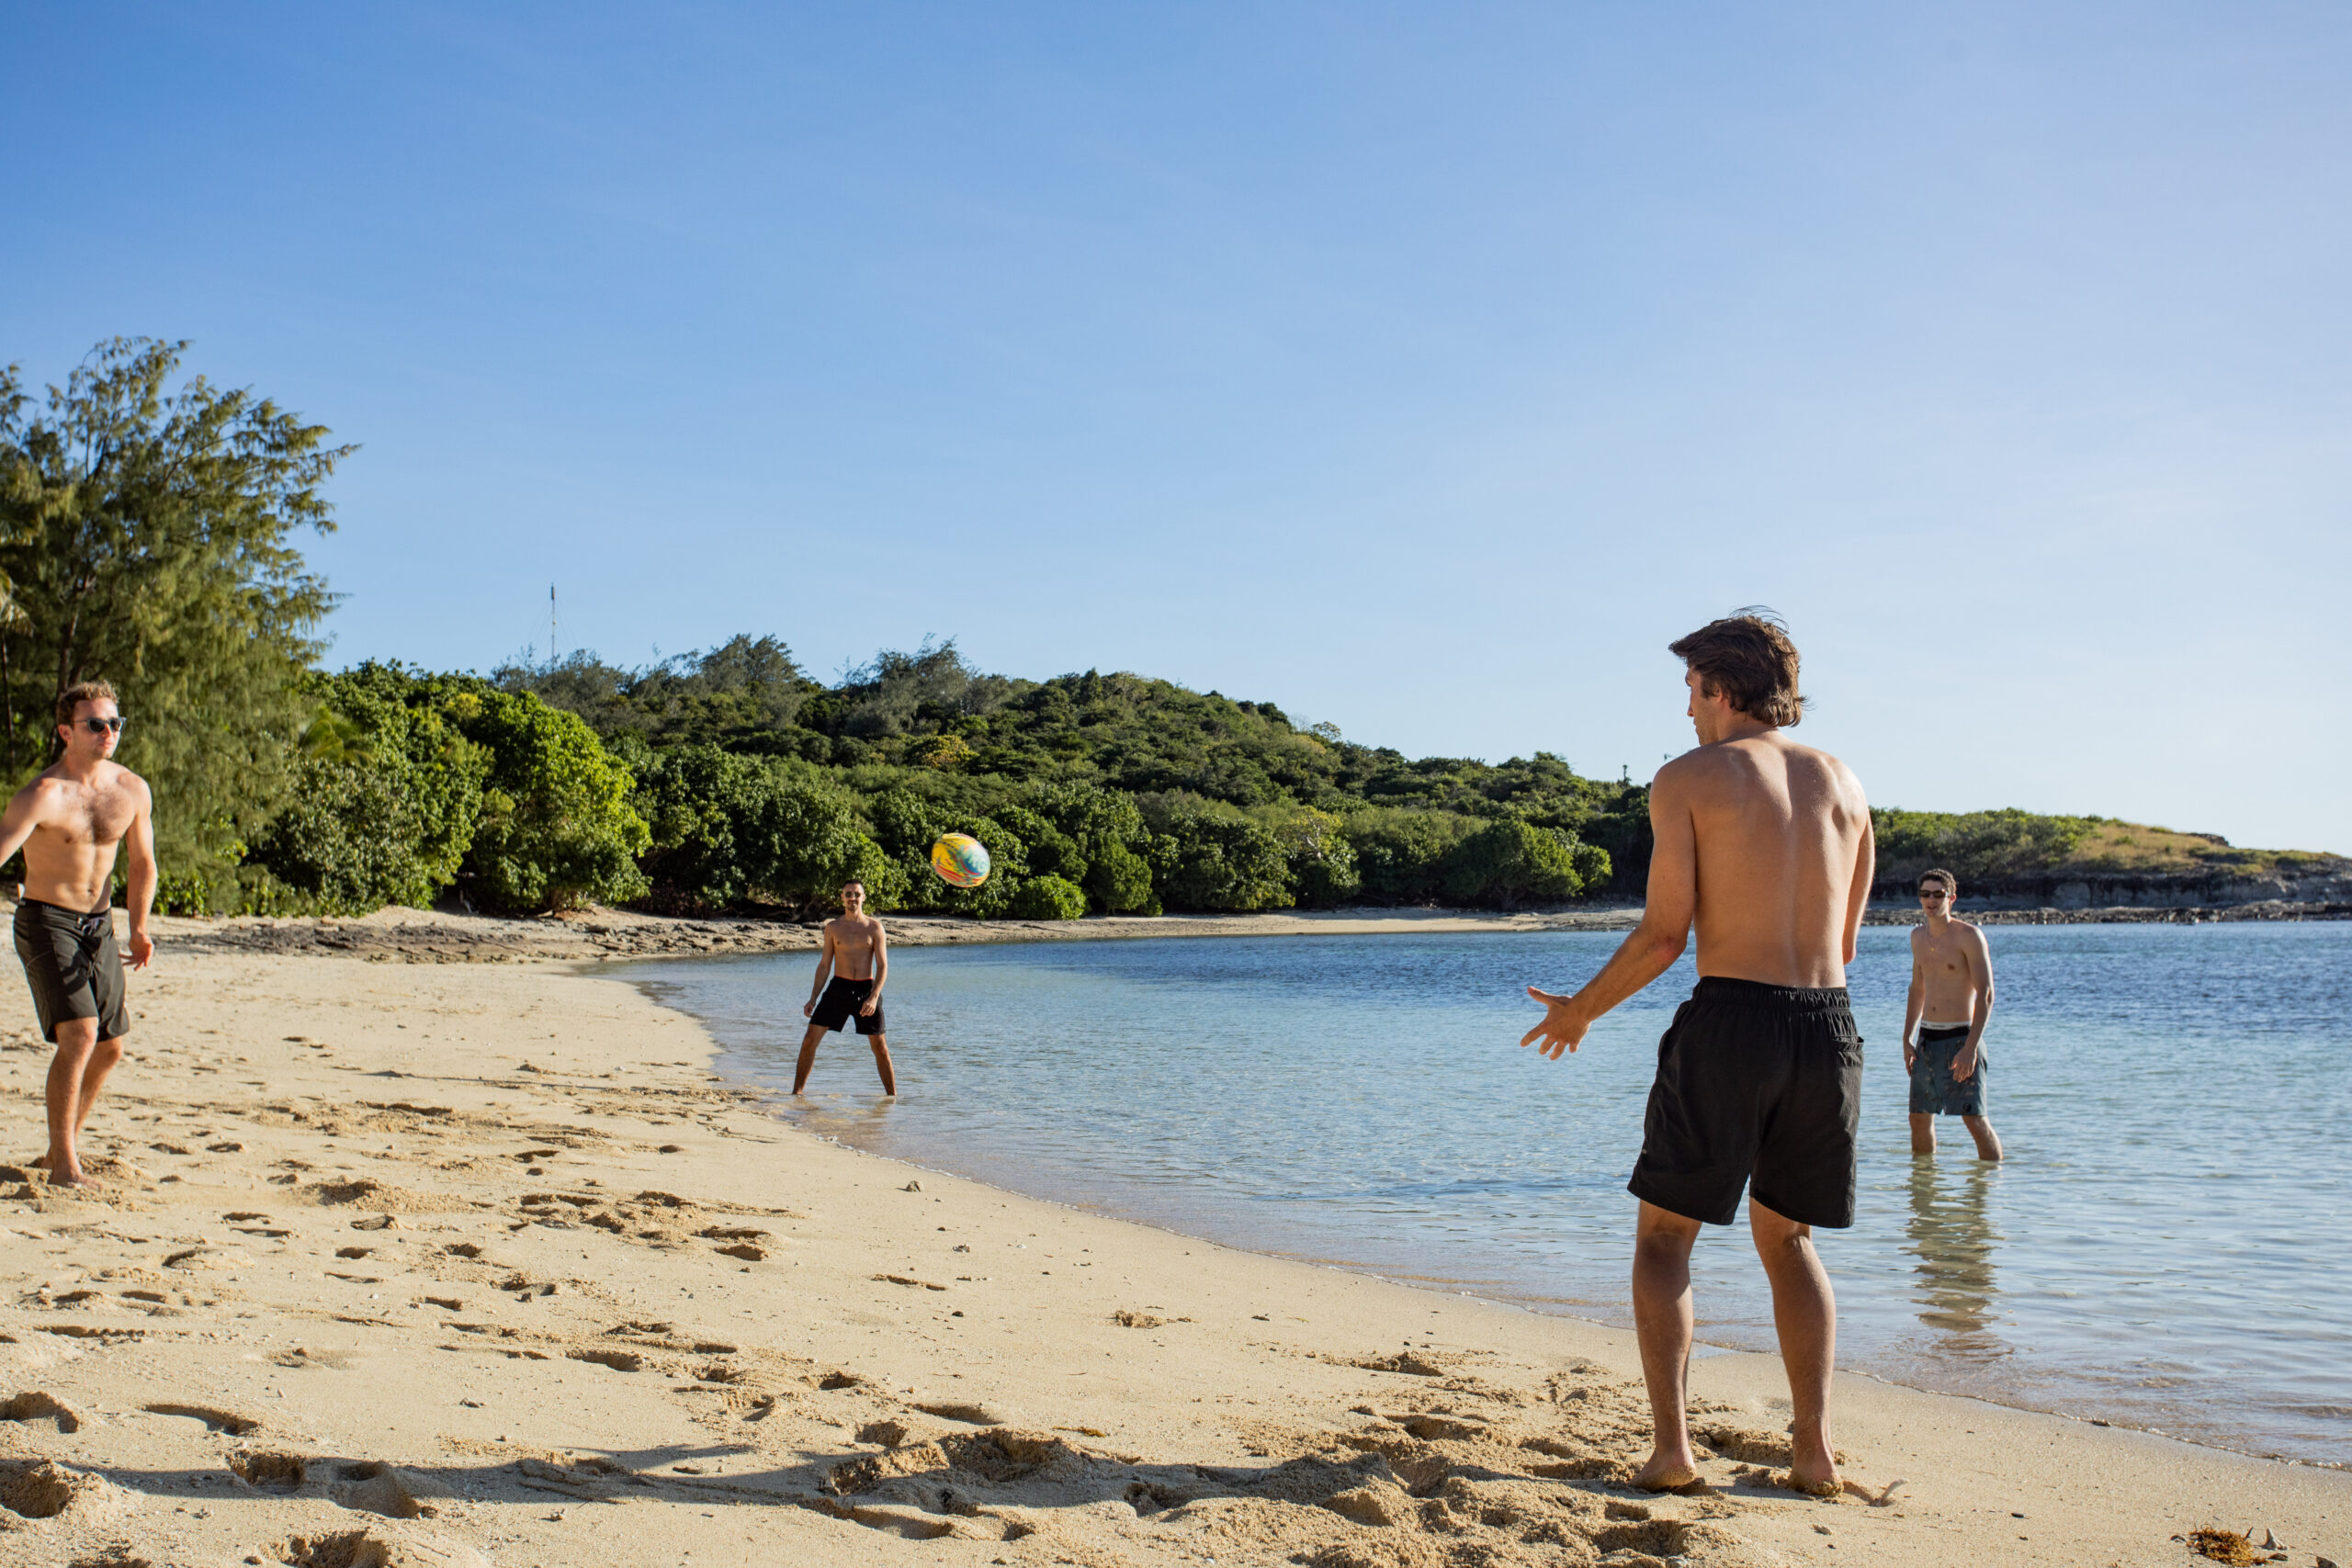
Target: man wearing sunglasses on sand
70,821
1943,1021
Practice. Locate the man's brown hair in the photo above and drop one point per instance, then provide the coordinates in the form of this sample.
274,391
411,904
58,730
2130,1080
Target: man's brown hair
1951,883
82,692
1746,657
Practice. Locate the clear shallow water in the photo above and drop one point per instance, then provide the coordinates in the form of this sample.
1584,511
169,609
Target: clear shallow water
2168,1246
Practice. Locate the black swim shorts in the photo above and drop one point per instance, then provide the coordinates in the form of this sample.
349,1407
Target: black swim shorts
73,966
840,1004
1755,1081
1934,1092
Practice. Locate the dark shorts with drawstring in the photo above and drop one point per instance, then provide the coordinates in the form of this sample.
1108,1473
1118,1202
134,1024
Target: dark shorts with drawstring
73,967
1758,1084
839,1003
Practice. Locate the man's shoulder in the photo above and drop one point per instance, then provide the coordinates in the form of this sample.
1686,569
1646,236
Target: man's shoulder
1693,769
121,778
1797,751
1747,761
47,785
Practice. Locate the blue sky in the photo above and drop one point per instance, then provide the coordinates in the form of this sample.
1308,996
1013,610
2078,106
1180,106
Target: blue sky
1425,370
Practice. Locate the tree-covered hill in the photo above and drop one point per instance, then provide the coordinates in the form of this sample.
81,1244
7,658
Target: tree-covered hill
1228,803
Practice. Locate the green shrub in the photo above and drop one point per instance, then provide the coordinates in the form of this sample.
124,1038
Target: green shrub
1401,855
1322,863
1109,835
1048,897
1052,852
1120,884
557,828
1512,861
1209,861
727,830
387,801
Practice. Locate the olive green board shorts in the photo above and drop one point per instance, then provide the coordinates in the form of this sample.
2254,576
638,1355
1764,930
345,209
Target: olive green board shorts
73,967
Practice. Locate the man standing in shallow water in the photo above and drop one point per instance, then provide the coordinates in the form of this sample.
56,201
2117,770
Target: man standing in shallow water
1764,847
70,821
1951,1001
857,954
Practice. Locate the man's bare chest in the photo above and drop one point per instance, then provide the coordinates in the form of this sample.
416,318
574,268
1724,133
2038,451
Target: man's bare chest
1946,958
87,819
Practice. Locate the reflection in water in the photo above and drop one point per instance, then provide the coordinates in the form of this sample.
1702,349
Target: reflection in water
844,1117
1952,1234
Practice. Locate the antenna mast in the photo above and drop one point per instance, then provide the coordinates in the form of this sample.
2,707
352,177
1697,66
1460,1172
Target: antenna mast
551,647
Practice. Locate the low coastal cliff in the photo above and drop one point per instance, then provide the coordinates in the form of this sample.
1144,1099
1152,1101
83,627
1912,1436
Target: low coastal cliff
2312,880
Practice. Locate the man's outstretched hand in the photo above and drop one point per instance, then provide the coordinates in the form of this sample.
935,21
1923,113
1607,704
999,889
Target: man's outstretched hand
1563,1028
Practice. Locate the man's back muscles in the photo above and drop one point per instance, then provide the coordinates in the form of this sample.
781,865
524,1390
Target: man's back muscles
1781,843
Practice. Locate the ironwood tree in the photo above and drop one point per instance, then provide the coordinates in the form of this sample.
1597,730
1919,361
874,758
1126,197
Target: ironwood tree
146,539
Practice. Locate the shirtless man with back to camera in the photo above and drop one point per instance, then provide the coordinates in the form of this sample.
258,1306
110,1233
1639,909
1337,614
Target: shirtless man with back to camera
70,821
856,954
1764,847
1951,1002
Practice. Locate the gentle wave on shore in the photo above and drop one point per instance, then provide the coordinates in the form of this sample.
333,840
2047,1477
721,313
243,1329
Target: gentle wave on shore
2163,1249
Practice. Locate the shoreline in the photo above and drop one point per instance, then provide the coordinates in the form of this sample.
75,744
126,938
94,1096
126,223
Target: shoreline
428,936
461,1266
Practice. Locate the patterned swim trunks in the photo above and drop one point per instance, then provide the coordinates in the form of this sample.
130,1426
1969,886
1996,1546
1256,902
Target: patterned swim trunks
1933,1091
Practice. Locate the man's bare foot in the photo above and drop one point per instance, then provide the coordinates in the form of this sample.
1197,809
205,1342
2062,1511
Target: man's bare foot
1668,1473
70,1177
1809,1486
1812,1465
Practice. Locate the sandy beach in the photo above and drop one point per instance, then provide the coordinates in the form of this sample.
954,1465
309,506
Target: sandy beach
406,1257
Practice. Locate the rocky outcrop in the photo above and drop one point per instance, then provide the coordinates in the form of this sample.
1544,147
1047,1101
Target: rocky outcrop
2313,880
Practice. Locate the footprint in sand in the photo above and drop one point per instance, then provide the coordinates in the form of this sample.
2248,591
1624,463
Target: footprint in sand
970,1414
373,1548
35,1408
227,1421
367,1487
266,1470
42,1489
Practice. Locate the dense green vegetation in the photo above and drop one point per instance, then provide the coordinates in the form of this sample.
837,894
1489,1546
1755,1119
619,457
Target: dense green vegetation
730,779
146,537
1975,846
1114,794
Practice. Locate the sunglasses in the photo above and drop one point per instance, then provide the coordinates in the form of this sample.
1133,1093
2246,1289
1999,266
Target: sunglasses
1933,893
103,726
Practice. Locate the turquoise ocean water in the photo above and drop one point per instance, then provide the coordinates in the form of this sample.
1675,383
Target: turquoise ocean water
2168,1246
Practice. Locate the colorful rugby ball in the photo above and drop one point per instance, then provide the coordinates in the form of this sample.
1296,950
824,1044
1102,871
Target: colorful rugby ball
961,859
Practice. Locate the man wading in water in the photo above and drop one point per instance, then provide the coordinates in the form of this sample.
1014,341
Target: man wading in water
69,821
1951,999
857,956
1764,846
